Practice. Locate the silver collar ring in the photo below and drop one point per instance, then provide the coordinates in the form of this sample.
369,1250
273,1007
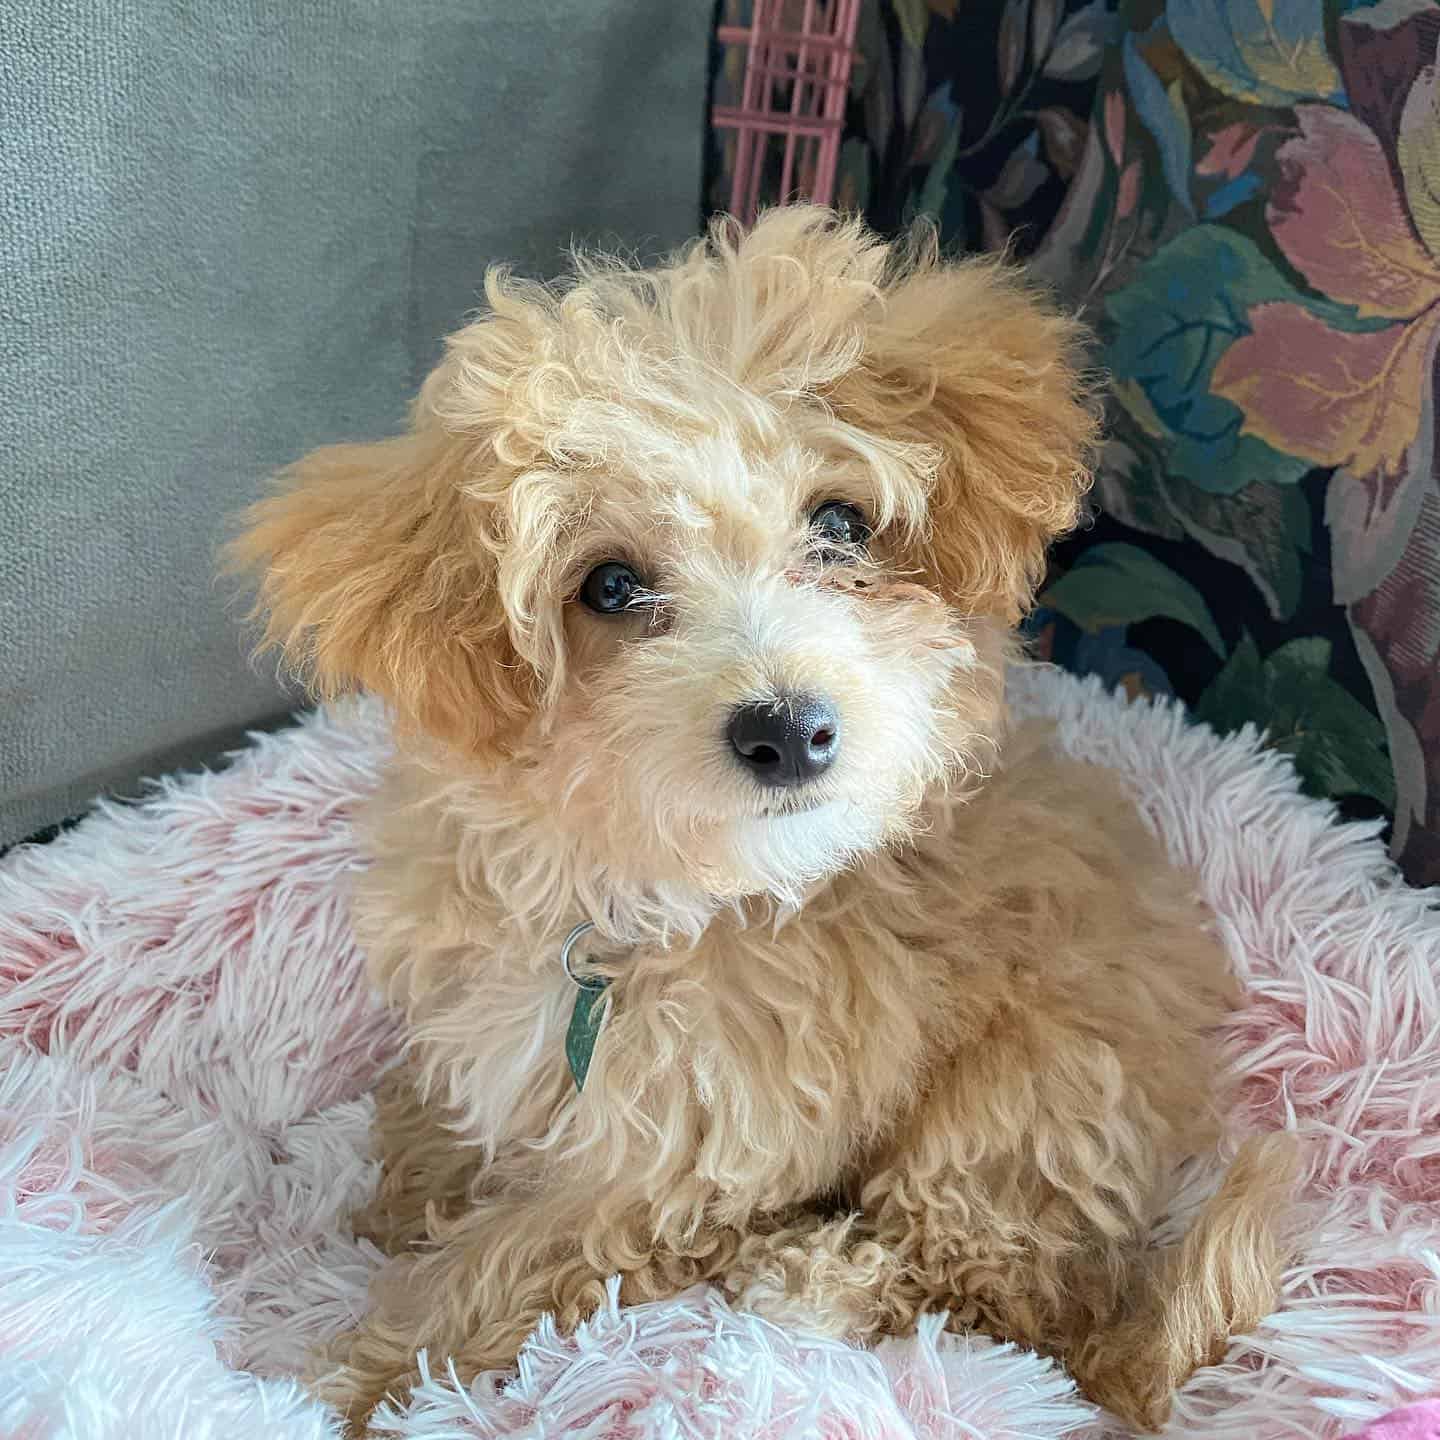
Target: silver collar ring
567,950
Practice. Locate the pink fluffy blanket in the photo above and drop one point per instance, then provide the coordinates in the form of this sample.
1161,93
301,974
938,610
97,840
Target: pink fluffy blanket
187,1043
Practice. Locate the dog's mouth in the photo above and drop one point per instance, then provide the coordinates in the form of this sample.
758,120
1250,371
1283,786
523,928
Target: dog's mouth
795,805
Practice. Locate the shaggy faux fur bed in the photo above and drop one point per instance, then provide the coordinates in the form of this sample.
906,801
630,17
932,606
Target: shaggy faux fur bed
187,1043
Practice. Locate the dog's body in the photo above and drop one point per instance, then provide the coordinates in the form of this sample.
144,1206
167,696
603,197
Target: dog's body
692,592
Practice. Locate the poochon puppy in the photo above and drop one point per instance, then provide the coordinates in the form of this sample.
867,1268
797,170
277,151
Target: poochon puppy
692,589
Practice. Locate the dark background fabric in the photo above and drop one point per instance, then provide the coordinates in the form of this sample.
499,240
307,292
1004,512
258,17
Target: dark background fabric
228,233
1243,198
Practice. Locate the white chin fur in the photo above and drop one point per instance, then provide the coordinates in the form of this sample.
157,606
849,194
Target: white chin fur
784,854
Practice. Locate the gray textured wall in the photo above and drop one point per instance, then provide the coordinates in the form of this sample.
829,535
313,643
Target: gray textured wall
235,229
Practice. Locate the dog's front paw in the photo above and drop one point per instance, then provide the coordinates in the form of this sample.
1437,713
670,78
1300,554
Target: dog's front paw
1141,1398
389,1233
357,1383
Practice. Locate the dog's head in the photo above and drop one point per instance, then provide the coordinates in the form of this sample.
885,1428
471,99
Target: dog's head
719,557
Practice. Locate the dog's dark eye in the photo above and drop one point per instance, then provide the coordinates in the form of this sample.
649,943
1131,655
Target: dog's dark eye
610,588
838,527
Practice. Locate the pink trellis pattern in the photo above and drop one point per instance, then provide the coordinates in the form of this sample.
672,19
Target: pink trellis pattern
798,56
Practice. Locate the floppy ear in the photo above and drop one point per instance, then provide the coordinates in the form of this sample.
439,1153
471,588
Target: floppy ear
964,358
375,573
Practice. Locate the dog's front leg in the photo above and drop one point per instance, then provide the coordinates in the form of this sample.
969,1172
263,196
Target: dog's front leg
426,1171
470,1298
471,1301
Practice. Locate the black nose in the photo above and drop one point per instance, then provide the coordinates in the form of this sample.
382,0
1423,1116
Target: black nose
786,741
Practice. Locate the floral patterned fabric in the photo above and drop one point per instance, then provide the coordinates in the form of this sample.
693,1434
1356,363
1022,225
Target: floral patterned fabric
1244,197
